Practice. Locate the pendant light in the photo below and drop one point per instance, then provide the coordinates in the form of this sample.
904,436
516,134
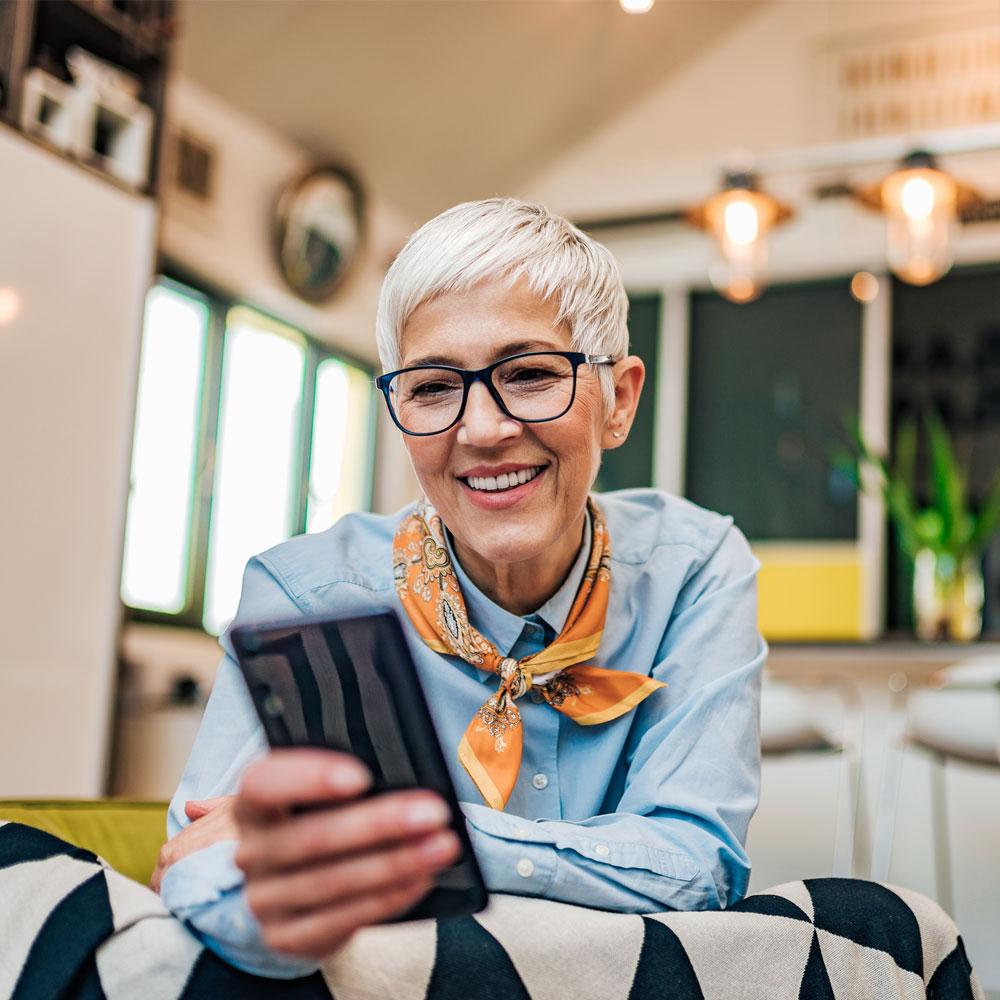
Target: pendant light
921,204
739,218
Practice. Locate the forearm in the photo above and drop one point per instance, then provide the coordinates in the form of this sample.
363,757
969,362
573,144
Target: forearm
205,890
633,865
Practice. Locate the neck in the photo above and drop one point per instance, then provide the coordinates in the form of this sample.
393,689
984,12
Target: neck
522,587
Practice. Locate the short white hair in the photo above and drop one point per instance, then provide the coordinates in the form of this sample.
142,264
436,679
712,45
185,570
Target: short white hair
506,239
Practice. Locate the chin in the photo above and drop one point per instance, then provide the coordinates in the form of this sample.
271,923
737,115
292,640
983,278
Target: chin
506,537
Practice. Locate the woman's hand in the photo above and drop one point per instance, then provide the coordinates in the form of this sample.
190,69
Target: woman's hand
212,820
314,878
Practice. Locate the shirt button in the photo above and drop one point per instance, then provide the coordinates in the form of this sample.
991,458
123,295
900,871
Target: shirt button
525,868
539,781
603,850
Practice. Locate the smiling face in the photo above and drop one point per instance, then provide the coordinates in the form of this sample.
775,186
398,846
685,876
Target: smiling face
542,517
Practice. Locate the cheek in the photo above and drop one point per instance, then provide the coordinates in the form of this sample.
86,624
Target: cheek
428,455
577,439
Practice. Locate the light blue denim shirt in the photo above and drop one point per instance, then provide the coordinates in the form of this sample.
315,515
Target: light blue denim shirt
645,813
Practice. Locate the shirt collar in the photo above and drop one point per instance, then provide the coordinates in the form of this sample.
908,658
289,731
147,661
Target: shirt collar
502,627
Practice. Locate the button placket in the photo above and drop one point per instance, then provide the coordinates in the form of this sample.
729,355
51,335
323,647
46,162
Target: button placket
540,767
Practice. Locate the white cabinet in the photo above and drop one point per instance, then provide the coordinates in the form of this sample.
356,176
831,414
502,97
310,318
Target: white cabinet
76,258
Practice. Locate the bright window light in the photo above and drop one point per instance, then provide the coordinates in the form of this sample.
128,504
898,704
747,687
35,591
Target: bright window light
154,568
339,460
256,460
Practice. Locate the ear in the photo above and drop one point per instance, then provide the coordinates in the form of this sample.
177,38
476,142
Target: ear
630,373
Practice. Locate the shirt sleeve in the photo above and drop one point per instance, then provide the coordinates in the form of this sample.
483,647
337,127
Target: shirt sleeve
675,840
205,889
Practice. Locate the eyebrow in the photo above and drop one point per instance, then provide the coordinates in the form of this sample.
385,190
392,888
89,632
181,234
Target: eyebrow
516,347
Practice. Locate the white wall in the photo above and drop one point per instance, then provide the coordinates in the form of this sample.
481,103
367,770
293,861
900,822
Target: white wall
229,245
78,252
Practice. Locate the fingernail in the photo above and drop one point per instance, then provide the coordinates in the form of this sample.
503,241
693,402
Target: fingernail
427,813
348,779
439,847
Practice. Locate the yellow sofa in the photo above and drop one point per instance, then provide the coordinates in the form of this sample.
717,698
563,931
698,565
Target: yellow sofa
128,835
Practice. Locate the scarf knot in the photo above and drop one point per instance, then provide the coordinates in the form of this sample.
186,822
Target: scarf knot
514,677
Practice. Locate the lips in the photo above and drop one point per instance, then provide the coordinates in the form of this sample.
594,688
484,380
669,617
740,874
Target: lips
488,493
503,480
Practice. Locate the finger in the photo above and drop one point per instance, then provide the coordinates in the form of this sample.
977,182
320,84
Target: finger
296,775
363,874
345,829
156,879
316,934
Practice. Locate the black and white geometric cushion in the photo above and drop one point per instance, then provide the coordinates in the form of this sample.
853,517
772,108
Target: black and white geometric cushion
822,939
72,927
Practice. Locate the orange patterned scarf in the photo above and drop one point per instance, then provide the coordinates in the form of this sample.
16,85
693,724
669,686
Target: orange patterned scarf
491,747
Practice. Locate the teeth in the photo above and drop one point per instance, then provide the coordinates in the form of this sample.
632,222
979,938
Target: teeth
504,481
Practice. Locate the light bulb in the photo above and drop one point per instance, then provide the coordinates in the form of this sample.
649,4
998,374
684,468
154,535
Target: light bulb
916,198
739,218
920,204
741,222
636,6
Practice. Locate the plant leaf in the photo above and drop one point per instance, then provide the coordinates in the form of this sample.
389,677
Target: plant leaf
899,502
949,484
906,454
989,518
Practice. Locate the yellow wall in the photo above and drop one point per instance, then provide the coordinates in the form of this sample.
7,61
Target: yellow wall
810,590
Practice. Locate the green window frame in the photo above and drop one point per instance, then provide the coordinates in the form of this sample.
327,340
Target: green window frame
326,476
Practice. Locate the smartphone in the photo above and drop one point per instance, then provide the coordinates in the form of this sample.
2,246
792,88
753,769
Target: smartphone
351,685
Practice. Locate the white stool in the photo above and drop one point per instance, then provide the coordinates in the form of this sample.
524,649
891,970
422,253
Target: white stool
790,724
957,719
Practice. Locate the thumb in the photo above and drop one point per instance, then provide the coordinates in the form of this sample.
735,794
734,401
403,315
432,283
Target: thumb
196,808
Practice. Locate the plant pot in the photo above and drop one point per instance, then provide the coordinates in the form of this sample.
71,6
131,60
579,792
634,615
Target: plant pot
948,597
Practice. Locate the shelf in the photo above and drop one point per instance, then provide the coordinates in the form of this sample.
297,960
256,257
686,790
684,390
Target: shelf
40,33
876,661
146,192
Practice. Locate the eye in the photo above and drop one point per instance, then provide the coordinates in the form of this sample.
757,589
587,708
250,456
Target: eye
533,375
529,375
431,388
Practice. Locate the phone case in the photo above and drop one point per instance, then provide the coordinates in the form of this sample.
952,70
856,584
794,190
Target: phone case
351,685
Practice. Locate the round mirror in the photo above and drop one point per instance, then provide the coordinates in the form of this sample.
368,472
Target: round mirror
318,231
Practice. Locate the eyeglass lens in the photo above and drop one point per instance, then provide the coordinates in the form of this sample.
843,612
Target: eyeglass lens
533,387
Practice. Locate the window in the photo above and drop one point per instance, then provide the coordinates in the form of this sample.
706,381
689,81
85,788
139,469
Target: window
946,357
769,384
246,433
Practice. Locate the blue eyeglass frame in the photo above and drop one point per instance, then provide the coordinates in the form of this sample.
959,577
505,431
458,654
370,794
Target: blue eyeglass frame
485,375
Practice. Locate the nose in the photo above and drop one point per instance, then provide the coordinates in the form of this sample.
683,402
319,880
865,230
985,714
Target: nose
484,424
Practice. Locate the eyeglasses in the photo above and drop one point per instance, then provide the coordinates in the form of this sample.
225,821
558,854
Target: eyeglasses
529,388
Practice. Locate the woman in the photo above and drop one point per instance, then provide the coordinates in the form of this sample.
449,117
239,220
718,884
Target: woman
593,662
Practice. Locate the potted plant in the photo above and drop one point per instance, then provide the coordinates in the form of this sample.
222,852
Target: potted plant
944,539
